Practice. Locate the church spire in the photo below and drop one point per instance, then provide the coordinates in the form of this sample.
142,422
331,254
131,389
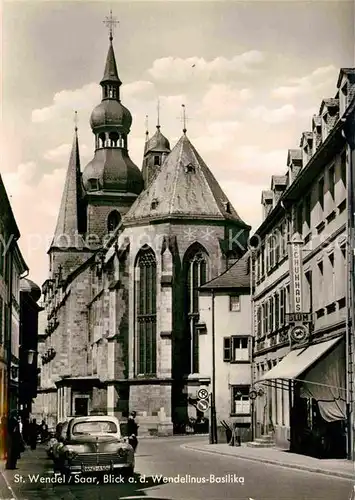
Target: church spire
68,222
111,78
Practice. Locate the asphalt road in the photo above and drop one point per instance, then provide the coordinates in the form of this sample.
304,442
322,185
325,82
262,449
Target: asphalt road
166,471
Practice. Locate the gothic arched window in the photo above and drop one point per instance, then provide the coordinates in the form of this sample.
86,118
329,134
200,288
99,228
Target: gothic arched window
146,312
113,220
195,270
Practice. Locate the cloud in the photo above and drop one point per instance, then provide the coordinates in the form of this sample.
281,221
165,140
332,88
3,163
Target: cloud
320,78
222,100
35,206
273,116
85,99
178,70
63,151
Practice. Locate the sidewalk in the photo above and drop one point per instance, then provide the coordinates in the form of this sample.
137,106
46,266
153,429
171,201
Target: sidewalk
274,456
31,462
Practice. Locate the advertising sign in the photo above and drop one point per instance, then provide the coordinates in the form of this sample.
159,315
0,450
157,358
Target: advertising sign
296,275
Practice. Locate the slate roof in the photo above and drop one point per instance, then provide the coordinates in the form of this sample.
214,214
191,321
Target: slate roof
345,71
110,73
68,217
237,276
184,188
158,142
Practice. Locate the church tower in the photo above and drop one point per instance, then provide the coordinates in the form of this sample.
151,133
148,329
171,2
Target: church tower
156,150
67,250
111,180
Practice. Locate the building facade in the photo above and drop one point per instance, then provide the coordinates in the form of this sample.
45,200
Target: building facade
30,294
131,248
301,302
12,269
225,307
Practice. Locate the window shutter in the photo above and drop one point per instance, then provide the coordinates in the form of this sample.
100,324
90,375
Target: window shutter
227,349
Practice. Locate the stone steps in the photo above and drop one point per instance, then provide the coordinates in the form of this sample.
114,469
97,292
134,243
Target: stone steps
265,441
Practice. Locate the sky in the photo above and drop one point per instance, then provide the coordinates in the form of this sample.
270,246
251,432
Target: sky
251,75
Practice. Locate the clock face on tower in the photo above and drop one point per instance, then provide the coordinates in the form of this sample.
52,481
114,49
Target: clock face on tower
298,333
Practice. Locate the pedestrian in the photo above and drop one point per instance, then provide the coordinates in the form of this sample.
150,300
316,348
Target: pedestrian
14,441
132,430
44,431
33,434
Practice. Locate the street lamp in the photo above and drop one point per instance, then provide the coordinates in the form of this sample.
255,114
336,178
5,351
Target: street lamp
213,429
31,356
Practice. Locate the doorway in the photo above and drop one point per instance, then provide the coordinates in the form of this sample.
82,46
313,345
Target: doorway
81,406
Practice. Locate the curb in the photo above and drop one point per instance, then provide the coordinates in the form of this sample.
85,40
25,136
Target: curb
174,436
304,468
10,493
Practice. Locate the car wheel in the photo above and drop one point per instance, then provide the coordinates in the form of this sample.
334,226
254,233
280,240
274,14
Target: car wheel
129,472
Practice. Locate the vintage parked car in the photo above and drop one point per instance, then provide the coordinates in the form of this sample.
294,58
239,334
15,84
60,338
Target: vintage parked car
93,444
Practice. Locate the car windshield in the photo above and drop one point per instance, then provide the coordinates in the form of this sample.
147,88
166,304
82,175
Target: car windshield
95,427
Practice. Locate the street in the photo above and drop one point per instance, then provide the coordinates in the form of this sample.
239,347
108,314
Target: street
189,475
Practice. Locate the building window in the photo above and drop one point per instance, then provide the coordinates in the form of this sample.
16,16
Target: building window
277,310
265,318
156,160
195,275
282,306
332,278
93,184
299,219
227,349
321,193
146,311
310,290
262,261
240,400
113,220
259,325
307,211
236,349
331,181
271,314
234,303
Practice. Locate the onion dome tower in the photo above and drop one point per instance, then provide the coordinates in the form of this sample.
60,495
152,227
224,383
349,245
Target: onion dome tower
156,150
110,179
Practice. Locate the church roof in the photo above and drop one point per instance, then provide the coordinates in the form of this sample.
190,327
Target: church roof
158,142
184,188
237,276
68,218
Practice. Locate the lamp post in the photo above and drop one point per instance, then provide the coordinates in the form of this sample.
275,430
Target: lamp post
30,356
213,429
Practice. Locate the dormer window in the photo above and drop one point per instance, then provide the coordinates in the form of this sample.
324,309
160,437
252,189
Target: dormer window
156,160
190,168
154,203
93,184
227,207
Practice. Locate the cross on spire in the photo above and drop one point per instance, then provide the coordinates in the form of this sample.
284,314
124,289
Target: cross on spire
184,119
110,22
146,127
76,120
158,113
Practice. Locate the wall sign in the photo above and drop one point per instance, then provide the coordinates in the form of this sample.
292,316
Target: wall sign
296,275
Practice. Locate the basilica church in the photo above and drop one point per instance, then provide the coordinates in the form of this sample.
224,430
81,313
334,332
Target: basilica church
130,250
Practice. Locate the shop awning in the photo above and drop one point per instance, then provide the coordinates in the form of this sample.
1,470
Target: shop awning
299,360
